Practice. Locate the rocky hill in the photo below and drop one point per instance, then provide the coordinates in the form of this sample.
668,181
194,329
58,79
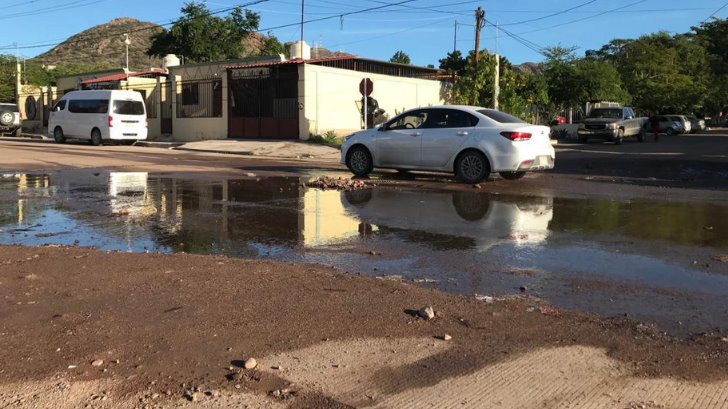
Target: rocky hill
103,46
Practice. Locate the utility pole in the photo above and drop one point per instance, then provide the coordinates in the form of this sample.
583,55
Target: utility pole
126,43
455,40
302,15
479,24
17,73
496,87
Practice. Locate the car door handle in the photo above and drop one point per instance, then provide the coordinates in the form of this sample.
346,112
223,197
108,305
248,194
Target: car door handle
463,133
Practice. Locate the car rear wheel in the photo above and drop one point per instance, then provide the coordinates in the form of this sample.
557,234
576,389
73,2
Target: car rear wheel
472,167
58,135
641,136
512,175
96,137
359,161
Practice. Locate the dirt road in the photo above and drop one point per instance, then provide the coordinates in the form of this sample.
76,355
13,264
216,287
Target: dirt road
85,327
88,328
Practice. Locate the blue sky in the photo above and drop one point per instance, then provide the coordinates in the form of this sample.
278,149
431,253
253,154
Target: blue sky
424,29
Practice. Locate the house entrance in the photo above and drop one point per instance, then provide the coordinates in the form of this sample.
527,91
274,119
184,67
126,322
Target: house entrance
263,103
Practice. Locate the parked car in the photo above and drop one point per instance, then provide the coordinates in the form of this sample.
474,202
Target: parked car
672,124
611,124
469,141
98,116
696,124
684,122
10,119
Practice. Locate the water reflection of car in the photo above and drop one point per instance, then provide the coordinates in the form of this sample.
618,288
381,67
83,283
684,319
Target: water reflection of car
488,221
470,142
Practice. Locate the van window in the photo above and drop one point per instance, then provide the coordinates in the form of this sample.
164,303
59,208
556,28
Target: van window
60,106
88,106
128,108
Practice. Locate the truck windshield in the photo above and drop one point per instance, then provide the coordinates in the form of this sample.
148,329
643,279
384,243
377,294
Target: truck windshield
606,113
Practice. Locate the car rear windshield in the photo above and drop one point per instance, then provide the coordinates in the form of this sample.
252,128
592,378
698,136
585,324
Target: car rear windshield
606,113
11,107
128,107
501,117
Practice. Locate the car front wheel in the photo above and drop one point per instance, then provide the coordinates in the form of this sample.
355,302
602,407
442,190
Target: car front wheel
472,167
359,161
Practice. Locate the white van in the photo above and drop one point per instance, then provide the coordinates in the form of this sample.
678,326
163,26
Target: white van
98,116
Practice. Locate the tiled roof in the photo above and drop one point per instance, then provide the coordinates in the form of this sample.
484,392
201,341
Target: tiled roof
122,76
293,61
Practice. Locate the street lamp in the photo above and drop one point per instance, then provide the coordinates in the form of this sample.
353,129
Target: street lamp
127,42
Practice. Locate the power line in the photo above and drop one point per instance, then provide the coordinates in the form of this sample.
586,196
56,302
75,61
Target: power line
716,12
558,13
170,22
67,6
340,15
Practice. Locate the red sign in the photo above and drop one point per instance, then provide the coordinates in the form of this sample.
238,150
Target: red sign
366,86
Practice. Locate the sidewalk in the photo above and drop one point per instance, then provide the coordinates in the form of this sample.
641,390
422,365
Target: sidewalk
281,149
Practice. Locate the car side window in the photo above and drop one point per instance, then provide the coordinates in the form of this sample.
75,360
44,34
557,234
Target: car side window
59,106
460,119
410,120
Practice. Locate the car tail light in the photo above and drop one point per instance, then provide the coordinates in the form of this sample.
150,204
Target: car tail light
517,136
111,120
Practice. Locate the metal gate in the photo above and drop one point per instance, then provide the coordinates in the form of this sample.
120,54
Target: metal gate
263,103
165,117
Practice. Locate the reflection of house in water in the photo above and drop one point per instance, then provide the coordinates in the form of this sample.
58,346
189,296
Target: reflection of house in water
247,216
27,188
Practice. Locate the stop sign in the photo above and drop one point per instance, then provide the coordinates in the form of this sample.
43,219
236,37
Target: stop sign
366,86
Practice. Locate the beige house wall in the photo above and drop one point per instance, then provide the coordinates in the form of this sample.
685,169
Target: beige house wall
151,88
199,129
43,98
330,95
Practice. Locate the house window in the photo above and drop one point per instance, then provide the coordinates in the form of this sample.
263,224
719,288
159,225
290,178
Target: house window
190,94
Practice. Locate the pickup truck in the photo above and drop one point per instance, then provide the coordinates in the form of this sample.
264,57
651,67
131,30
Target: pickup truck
612,124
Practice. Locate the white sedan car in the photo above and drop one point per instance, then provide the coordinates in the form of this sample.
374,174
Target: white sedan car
469,141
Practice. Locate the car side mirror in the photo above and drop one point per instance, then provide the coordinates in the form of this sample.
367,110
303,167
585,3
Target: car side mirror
629,117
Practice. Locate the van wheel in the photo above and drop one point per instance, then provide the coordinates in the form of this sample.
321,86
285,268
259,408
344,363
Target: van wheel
96,137
58,135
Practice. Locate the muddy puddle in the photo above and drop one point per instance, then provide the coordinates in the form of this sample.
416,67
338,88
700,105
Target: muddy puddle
655,261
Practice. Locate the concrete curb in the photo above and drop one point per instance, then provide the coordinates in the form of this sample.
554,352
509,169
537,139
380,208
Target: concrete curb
242,153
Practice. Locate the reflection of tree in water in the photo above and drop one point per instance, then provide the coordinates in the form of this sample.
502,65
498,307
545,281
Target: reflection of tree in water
699,224
237,217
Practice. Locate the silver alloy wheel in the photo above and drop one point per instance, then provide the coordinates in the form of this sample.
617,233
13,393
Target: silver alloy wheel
471,167
359,161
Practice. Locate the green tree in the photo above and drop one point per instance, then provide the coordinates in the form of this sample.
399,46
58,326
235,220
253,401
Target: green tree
7,78
272,46
200,36
599,81
400,57
453,63
664,73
